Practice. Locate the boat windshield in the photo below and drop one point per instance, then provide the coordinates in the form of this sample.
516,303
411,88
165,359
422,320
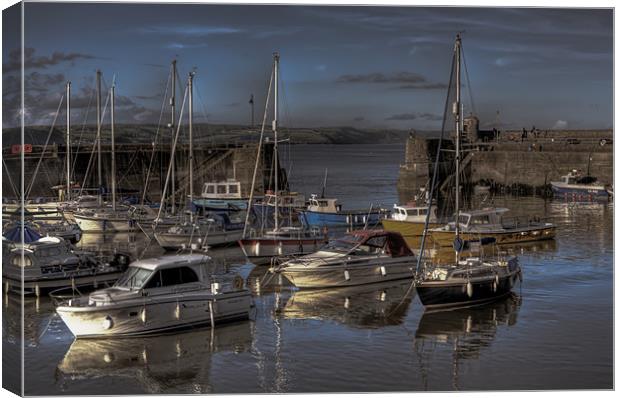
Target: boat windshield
343,245
134,278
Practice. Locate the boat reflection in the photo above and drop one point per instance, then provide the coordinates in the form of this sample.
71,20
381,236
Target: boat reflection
468,329
157,363
38,316
365,306
446,254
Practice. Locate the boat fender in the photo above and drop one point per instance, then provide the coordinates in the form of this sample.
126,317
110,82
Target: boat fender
238,282
107,322
37,289
383,271
143,314
6,287
347,302
470,289
177,311
346,275
494,286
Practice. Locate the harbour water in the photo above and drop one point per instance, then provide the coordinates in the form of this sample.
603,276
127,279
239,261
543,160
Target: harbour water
556,332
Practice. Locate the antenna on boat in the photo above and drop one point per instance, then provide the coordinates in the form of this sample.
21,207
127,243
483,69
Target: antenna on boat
324,184
99,165
190,84
172,131
113,145
276,62
456,109
68,143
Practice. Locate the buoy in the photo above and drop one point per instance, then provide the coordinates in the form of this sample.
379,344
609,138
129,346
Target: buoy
346,275
470,289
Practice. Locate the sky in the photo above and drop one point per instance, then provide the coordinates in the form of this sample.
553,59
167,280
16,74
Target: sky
366,67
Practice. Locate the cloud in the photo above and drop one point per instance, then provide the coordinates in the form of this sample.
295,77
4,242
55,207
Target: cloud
560,125
358,119
424,86
414,116
377,77
190,30
31,61
180,46
321,68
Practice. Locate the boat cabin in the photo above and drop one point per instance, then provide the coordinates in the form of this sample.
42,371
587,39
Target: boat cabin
414,213
164,272
487,217
369,242
285,199
50,253
323,205
229,189
574,177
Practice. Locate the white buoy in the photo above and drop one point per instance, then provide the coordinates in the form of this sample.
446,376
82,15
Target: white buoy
346,275
470,289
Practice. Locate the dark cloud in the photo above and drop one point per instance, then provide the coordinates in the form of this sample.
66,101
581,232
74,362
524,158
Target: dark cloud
414,116
377,77
31,61
424,86
358,119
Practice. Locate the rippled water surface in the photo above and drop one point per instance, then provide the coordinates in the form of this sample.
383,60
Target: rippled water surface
556,332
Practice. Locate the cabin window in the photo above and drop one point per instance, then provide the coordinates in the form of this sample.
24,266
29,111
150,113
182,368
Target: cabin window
323,203
377,241
221,189
17,261
172,276
422,212
481,220
233,189
210,189
134,278
463,219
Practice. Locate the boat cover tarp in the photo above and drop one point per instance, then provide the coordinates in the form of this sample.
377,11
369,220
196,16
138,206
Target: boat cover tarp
395,246
14,234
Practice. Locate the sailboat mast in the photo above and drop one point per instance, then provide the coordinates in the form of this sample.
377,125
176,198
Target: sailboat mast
457,117
172,132
113,148
191,140
68,143
99,165
276,61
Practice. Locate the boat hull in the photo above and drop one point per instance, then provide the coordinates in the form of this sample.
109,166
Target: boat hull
579,192
447,294
343,219
170,241
445,238
411,231
262,250
166,314
102,225
347,275
221,204
46,284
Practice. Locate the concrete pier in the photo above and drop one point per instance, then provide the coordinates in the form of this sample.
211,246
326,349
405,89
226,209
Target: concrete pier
509,161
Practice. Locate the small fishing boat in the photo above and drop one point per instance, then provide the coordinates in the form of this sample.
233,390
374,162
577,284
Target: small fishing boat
51,263
360,257
491,223
576,186
221,195
409,221
288,205
328,212
159,295
474,280
215,230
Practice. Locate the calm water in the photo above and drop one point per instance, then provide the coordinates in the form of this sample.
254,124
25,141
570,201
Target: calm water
555,333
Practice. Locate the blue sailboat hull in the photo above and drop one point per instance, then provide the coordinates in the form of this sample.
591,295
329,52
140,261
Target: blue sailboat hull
345,218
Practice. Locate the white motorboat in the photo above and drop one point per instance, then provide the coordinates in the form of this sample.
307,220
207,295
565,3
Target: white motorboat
365,256
158,295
